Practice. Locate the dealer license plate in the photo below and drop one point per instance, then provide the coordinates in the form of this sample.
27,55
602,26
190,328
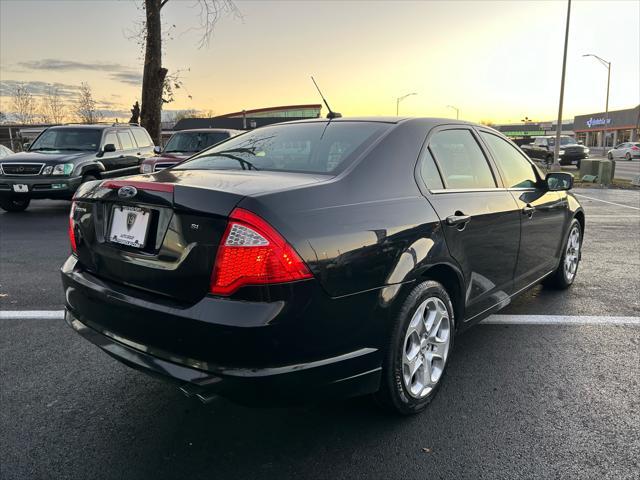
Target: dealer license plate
129,226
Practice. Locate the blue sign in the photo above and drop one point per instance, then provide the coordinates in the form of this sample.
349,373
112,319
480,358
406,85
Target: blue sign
594,122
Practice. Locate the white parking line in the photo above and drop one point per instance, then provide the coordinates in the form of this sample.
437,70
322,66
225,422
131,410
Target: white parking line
606,201
560,320
32,314
492,320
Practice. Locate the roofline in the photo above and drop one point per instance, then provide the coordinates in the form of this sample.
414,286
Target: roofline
270,109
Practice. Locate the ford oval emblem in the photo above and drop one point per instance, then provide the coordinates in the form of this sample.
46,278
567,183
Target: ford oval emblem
127,191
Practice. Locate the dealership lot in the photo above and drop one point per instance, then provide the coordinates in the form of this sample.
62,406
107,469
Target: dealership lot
521,400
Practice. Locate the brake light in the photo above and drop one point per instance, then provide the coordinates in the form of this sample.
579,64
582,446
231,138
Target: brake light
635,148
252,252
72,229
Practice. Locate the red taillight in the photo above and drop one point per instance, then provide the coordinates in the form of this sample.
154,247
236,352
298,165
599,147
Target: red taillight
253,253
72,228
635,148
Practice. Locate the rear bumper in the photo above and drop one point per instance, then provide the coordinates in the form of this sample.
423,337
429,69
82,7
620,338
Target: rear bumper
204,349
40,187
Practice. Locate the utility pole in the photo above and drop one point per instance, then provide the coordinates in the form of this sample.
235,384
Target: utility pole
556,151
606,111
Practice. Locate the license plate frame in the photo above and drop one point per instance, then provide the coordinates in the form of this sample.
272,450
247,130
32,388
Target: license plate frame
20,188
131,226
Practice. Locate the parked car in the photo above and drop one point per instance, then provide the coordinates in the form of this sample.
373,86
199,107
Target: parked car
626,150
4,151
542,149
317,258
63,157
183,144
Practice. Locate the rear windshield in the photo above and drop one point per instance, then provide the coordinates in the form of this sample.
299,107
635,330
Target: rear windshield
192,142
74,139
317,147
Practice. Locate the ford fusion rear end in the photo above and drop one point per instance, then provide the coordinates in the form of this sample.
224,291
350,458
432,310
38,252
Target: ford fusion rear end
184,275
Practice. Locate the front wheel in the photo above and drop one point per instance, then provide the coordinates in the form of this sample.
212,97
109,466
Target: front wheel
420,345
628,157
610,156
14,204
566,272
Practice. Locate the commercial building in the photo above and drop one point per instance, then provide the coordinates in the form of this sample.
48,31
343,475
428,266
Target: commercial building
615,127
249,119
523,133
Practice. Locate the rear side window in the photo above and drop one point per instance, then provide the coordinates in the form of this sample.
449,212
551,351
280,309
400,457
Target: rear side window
516,170
315,147
429,171
142,137
126,140
460,159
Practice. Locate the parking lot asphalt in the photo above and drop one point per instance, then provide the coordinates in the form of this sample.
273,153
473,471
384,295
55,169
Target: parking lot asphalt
519,401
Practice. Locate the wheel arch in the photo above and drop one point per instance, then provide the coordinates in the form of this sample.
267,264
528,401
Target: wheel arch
579,215
452,280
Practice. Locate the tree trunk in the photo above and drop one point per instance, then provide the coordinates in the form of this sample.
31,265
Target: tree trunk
154,74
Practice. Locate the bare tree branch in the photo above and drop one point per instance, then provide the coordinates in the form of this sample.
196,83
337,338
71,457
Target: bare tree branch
210,12
85,107
52,108
23,104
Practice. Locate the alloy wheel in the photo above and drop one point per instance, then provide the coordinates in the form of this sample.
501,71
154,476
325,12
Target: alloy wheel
426,347
572,254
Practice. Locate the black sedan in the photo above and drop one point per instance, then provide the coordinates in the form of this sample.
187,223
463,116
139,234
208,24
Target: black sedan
317,258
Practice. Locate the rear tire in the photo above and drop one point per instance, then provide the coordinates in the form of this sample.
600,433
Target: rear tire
14,204
420,345
565,274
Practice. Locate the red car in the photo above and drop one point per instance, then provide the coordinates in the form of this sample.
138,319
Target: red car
184,144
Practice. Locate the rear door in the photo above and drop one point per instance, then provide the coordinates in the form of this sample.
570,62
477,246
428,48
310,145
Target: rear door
481,219
543,213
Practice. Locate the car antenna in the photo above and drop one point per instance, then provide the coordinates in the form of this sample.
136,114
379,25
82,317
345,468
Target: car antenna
331,115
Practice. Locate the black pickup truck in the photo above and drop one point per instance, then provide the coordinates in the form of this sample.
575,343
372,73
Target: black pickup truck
63,157
541,149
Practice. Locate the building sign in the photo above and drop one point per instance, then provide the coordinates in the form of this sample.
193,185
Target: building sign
524,133
594,122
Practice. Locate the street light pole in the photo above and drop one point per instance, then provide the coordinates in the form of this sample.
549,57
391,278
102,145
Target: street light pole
399,99
606,111
457,111
556,149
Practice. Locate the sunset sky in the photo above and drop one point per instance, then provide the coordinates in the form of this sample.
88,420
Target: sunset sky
497,61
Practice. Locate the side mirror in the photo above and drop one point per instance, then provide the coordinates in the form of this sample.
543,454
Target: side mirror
109,148
558,181
26,145
157,150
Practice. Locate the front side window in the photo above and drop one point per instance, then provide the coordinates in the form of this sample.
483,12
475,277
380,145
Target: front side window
516,170
314,147
193,142
460,159
69,139
110,137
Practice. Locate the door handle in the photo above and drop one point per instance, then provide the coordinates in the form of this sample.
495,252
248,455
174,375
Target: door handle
528,210
459,220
